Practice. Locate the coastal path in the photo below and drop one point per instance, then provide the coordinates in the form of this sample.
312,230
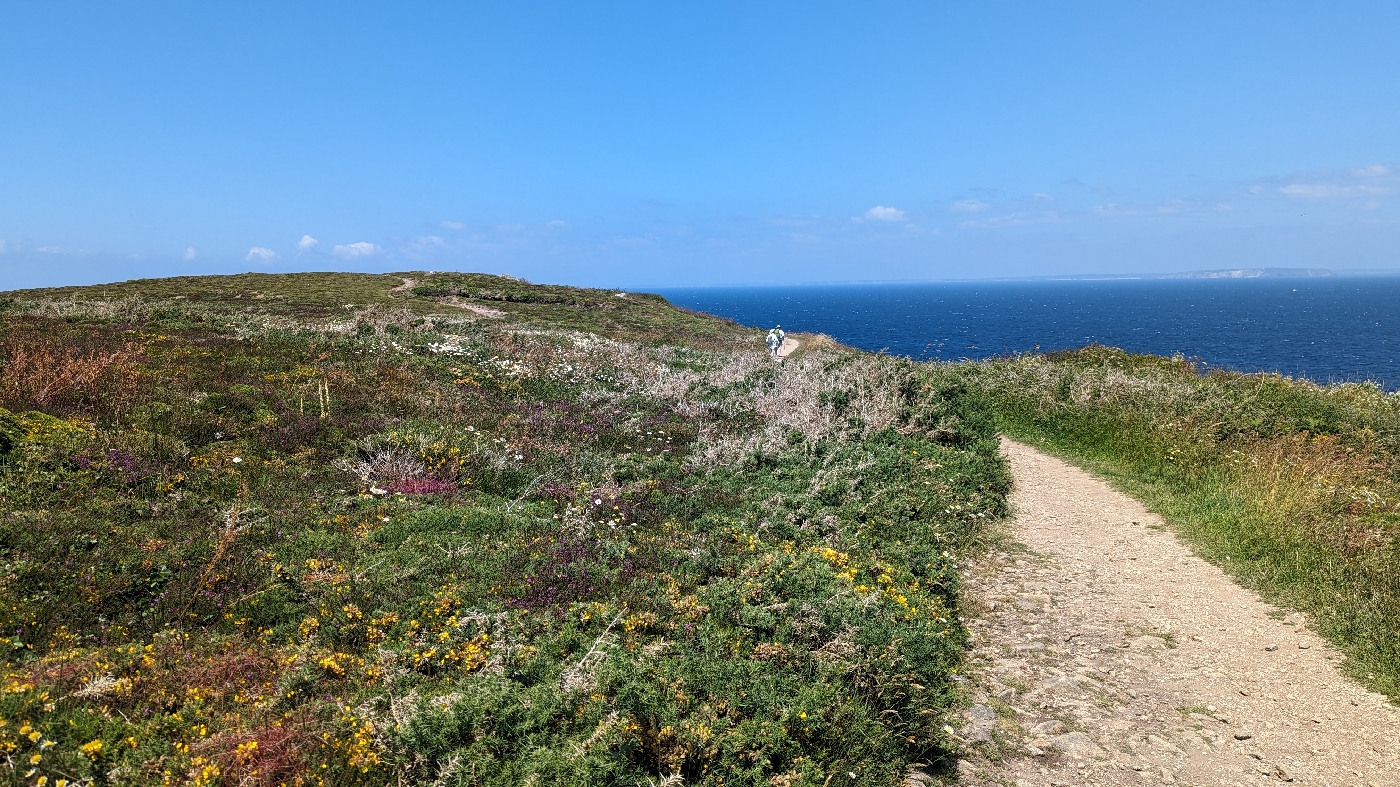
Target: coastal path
1106,653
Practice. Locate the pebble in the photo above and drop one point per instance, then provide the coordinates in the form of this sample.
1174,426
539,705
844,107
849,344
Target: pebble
1271,648
1243,735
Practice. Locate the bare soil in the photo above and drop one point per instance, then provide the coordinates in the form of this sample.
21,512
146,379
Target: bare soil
1106,653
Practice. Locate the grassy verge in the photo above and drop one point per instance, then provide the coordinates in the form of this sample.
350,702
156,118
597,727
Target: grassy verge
341,530
1290,487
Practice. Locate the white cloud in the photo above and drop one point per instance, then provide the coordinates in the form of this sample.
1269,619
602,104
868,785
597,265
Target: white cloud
307,243
882,213
190,253
452,225
969,206
1041,195
360,249
260,254
558,224
1329,191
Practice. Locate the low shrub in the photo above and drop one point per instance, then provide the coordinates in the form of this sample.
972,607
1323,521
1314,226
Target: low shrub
301,552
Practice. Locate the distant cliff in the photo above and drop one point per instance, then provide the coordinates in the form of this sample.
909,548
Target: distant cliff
1246,273
1231,273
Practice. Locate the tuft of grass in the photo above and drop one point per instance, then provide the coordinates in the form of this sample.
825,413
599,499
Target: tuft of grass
1292,488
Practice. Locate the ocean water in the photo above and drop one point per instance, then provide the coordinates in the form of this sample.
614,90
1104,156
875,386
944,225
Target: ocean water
1327,329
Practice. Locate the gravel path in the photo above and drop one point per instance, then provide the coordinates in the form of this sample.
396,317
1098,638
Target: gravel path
1108,654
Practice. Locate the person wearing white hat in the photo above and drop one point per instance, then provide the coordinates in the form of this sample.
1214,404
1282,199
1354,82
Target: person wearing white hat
775,340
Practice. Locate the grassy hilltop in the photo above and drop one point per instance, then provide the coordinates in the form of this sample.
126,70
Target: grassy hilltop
461,529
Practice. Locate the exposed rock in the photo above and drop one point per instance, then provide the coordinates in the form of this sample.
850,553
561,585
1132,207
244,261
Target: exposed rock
981,713
1076,743
1062,685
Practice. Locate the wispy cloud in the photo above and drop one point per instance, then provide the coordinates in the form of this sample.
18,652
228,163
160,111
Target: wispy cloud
452,225
1364,182
884,213
1371,171
260,254
1330,191
360,249
1014,220
307,243
190,253
424,244
4,247
1168,208
969,206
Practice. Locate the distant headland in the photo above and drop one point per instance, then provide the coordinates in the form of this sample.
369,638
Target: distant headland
1228,273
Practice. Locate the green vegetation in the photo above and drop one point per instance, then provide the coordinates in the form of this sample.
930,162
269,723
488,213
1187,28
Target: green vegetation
1291,487
342,529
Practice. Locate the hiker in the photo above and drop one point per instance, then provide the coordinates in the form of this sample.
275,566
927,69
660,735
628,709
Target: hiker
775,340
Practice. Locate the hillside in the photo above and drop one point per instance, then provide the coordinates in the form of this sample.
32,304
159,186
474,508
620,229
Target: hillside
462,529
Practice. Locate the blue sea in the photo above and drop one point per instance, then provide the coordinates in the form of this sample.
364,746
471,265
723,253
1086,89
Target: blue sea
1324,328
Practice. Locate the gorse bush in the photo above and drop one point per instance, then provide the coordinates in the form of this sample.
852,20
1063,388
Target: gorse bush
272,541
1292,487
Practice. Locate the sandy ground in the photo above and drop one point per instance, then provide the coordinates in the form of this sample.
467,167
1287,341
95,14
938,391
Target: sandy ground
1108,654
788,346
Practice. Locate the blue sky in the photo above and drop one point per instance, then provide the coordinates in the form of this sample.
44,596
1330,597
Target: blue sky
653,144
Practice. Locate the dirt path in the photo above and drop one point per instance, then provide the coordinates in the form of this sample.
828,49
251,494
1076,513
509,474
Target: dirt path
1109,654
788,346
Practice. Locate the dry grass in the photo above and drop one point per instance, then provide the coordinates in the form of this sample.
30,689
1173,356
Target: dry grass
47,375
